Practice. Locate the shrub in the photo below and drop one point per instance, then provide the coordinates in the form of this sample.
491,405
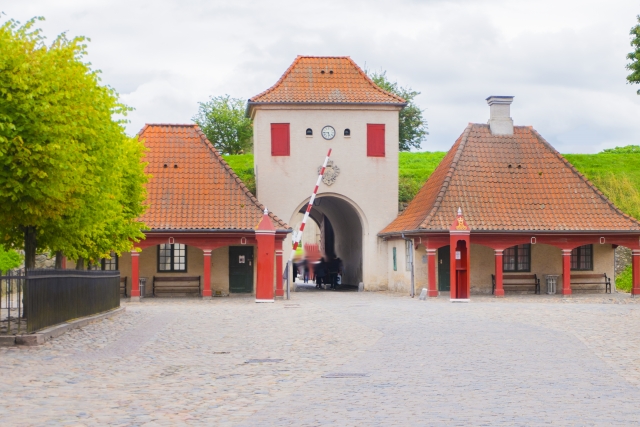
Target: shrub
624,280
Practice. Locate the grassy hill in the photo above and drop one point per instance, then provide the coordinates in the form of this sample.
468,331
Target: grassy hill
616,173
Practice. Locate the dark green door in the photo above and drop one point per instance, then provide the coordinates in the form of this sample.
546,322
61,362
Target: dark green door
444,273
240,269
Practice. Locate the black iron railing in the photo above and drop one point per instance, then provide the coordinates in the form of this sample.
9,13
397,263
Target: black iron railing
12,319
56,296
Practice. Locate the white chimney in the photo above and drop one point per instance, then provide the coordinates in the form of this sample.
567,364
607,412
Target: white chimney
500,121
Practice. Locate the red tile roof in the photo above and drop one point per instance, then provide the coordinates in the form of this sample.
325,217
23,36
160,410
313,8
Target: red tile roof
325,80
513,182
192,187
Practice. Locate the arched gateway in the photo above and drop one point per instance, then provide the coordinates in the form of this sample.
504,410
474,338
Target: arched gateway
321,103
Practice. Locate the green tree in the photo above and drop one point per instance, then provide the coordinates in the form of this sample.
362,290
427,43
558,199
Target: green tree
62,153
634,57
9,259
223,121
413,126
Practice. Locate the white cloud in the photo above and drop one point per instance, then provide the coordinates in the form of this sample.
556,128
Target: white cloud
563,60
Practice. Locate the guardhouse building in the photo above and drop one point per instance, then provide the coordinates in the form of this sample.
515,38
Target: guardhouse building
502,211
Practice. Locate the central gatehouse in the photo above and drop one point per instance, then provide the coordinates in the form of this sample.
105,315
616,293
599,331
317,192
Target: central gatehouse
502,211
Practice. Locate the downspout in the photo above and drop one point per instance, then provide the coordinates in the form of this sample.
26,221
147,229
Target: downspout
413,289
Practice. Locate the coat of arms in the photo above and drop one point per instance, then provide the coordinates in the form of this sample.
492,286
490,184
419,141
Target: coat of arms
331,172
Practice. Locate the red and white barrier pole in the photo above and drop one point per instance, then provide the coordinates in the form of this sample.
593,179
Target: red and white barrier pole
298,236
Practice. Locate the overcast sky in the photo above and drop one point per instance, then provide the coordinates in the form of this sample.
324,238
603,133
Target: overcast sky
563,60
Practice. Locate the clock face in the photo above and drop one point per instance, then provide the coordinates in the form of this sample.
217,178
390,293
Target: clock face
328,132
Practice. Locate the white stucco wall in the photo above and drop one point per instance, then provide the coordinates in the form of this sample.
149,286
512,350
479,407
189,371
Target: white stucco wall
148,267
370,184
545,259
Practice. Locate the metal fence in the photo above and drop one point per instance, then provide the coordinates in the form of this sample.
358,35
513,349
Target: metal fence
55,296
12,320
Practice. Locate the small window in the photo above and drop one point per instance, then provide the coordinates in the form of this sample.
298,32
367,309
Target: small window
517,258
395,261
110,263
347,132
172,257
375,140
279,139
309,132
582,258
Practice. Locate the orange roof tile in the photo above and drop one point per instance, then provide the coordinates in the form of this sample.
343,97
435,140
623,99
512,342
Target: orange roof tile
192,187
325,80
513,182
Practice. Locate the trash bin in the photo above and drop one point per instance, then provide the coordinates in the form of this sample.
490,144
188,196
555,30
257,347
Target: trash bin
142,283
552,280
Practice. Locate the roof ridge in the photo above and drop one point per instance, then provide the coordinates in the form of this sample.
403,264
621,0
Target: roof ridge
372,83
580,175
348,58
231,172
286,73
448,177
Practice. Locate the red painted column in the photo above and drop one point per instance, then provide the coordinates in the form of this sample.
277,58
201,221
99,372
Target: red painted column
566,272
266,237
499,288
206,288
135,276
432,290
635,265
64,262
279,270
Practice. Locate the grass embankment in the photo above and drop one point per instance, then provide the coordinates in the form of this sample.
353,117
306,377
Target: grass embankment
242,165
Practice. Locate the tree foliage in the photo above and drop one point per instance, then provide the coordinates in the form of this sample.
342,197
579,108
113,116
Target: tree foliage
634,57
413,126
70,178
9,259
223,121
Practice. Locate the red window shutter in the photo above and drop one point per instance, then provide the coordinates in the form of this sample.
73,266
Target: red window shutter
375,140
279,139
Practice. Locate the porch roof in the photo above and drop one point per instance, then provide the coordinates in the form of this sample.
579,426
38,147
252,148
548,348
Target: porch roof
512,183
192,187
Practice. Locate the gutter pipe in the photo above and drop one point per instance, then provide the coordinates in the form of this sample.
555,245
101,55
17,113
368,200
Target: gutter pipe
413,287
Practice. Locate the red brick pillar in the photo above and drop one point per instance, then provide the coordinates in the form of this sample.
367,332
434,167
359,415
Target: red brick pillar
566,272
635,265
206,286
432,290
266,237
135,276
499,292
279,271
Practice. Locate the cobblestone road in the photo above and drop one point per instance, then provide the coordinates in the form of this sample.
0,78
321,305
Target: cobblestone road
336,359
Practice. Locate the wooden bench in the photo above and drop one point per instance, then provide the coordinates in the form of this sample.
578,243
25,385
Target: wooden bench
517,282
176,284
123,286
591,282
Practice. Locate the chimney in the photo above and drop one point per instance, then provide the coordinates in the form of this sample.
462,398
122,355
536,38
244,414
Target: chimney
500,121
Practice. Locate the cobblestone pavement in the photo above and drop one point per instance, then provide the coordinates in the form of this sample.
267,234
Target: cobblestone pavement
331,358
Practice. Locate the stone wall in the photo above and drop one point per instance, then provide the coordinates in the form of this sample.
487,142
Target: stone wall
623,258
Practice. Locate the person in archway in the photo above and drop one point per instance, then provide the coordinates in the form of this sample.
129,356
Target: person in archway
305,271
321,271
340,268
333,272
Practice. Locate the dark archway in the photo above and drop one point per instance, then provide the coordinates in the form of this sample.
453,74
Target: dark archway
341,234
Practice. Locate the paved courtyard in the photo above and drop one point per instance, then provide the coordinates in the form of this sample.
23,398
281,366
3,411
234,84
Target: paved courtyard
333,358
